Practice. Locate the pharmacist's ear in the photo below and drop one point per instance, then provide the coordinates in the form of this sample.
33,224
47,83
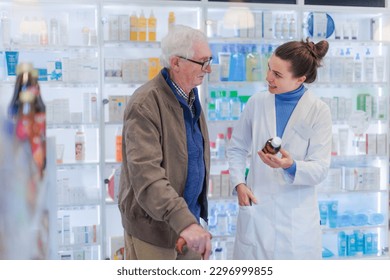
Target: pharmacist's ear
302,79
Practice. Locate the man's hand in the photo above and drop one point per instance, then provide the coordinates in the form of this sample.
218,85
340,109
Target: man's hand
198,240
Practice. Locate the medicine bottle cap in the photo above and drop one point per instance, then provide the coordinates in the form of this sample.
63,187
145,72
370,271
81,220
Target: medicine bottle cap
276,142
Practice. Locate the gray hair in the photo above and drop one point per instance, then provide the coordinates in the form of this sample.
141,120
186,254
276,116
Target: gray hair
180,41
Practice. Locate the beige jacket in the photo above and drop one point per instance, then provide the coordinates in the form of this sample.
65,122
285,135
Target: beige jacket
154,166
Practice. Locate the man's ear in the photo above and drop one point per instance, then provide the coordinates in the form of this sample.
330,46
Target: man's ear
174,62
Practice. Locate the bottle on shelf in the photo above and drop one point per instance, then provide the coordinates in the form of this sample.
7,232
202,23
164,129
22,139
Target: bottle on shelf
278,28
152,26
337,72
171,20
25,116
25,31
266,52
39,133
43,34
35,31
54,37
80,145
142,24
222,105
212,217
237,64
285,28
221,146
357,68
213,150
232,218
348,66
222,221
211,113
5,29
292,28
23,81
211,107
272,146
28,128
253,65
368,66
224,58
235,105
134,27
118,144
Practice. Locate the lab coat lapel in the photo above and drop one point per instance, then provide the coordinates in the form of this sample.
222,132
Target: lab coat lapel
300,114
270,116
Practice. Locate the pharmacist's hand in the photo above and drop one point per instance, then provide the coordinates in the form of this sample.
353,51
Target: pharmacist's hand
276,161
198,240
245,195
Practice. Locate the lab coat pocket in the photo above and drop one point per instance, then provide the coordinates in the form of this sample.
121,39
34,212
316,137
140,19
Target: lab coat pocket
244,247
245,223
306,233
304,130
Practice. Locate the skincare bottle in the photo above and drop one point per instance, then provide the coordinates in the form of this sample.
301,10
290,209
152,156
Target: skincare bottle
142,25
171,20
224,64
80,145
152,24
134,27
118,144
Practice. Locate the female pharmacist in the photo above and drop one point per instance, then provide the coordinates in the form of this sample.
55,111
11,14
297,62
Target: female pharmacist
279,216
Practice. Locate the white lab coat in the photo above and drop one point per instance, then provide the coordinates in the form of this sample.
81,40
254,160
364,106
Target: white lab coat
285,223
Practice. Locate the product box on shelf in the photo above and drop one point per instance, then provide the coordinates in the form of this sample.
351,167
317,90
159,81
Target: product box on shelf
362,178
116,107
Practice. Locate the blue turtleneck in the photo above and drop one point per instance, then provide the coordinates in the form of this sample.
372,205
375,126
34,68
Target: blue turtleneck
284,106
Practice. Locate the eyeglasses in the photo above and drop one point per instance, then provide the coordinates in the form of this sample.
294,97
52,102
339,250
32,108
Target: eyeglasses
204,64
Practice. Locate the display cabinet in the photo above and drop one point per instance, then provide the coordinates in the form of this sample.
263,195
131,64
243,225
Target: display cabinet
60,40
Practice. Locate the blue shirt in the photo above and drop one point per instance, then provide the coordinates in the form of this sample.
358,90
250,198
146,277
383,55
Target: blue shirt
284,106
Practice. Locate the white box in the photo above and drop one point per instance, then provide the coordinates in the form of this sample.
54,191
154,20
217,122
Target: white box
268,29
54,71
215,190
90,107
362,178
117,247
113,69
116,108
370,144
124,28
258,28
332,182
130,70
225,183
113,28
381,144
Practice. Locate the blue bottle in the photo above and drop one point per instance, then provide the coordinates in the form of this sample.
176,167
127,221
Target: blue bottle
222,106
237,64
211,108
235,105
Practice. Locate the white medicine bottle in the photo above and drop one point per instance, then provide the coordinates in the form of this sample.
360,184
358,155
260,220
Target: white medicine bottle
80,145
